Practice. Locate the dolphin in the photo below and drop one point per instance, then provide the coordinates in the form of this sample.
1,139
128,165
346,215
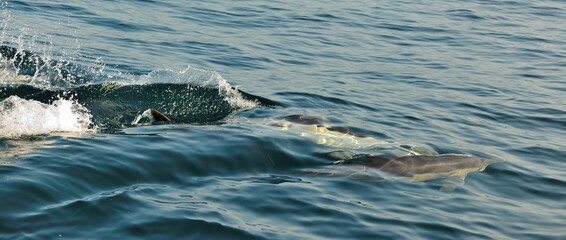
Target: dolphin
392,161
344,138
451,167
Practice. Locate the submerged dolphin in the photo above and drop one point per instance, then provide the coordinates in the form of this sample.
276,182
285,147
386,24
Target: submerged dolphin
394,161
314,129
452,167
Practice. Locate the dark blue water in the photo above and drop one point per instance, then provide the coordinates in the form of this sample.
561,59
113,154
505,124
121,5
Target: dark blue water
486,78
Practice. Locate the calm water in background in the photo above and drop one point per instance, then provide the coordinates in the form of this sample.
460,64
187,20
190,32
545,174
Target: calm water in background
481,77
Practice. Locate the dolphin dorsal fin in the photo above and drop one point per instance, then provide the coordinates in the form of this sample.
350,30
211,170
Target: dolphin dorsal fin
150,116
158,116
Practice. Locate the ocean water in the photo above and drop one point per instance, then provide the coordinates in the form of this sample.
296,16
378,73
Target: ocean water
245,83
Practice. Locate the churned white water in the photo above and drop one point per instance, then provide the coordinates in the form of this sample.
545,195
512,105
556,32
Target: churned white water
21,117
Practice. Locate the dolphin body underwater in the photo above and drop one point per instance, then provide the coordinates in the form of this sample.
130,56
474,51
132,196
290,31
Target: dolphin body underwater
393,161
451,168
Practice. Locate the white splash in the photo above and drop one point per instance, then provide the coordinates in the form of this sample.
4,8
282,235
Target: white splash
20,117
12,77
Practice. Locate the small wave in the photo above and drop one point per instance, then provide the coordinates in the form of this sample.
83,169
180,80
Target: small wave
192,95
116,105
200,77
21,117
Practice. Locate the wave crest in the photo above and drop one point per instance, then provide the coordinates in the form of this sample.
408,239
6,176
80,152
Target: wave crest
200,77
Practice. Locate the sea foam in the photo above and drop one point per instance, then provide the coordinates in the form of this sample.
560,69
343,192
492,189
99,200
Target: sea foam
20,117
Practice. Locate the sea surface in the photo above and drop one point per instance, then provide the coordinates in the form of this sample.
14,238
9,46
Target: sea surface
80,158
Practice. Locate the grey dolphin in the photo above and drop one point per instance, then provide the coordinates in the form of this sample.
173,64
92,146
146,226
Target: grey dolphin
424,168
451,167
317,131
